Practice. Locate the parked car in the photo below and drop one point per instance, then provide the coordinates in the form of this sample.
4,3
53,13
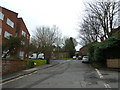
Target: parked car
85,59
74,57
37,56
79,57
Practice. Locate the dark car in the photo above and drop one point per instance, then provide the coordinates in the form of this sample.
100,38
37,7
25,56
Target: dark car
79,57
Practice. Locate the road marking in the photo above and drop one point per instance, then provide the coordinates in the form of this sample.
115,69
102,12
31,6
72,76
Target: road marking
35,72
8,81
17,78
101,76
107,85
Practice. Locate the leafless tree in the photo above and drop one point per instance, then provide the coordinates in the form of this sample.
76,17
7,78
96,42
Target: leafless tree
105,12
44,39
99,21
89,30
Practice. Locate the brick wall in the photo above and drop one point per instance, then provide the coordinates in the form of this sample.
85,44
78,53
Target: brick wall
9,66
13,17
16,30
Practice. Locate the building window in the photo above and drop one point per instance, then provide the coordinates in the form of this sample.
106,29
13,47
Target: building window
27,36
0,31
21,54
7,35
26,55
24,33
22,42
16,34
1,16
10,23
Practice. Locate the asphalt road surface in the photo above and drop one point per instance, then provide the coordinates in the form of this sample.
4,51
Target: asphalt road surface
67,74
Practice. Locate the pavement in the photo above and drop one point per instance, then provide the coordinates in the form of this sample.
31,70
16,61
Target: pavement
14,75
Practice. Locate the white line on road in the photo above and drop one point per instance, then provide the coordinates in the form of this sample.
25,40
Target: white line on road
35,72
107,85
17,78
10,80
101,76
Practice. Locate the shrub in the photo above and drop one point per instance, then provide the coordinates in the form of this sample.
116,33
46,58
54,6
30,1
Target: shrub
99,52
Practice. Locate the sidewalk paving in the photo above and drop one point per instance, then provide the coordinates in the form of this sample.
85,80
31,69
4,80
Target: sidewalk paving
13,75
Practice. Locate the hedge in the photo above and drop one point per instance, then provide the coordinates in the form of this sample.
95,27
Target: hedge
108,49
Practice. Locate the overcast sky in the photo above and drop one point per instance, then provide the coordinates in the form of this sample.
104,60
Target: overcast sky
63,13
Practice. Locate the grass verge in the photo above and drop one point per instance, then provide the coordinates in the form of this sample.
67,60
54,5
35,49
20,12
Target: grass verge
37,62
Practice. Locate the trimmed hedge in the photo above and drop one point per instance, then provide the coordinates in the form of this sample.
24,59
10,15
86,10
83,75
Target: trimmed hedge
108,49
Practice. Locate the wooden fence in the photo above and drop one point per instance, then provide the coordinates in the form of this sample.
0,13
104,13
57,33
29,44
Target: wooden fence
113,63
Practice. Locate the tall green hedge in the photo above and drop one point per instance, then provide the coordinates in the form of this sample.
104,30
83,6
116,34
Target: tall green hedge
108,49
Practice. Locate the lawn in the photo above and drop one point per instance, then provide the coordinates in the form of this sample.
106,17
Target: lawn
37,62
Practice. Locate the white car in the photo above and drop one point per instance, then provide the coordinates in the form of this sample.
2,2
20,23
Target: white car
85,59
74,57
35,56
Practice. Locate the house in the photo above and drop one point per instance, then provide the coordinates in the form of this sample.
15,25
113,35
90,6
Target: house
83,51
59,55
23,32
11,25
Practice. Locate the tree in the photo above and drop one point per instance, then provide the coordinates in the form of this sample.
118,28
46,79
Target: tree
69,46
89,30
11,46
32,48
105,12
44,39
99,21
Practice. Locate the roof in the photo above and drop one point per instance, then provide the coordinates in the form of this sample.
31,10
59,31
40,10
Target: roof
23,23
17,18
8,10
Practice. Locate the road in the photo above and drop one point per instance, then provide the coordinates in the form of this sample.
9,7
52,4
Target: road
67,74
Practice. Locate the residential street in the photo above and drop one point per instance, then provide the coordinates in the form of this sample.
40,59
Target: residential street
67,74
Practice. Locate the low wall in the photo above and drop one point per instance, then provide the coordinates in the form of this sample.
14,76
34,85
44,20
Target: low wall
113,63
9,66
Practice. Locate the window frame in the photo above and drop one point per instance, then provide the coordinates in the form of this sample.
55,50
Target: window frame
1,14
10,23
21,54
7,35
23,42
23,33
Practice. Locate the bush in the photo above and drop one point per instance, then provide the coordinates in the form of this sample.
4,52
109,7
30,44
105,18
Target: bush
108,49
30,64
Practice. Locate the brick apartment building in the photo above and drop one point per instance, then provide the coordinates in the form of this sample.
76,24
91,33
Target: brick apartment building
11,25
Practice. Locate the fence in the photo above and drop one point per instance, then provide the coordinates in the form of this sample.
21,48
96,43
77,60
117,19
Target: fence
113,63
